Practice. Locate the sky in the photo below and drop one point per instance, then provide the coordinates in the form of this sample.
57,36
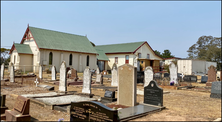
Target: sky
172,25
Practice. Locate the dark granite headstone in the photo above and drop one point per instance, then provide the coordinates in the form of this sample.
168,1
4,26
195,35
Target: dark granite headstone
190,78
204,79
2,101
140,76
110,94
153,94
216,89
166,75
92,111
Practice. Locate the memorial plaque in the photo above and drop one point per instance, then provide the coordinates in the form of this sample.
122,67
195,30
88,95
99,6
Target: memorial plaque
148,75
110,94
92,111
166,75
22,105
2,101
216,89
153,94
204,79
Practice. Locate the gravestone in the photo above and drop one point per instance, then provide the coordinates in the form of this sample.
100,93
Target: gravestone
40,71
148,75
2,71
109,96
140,77
211,75
92,111
153,94
99,78
9,65
204,79
216,89
127,80
166,75
53,73
190,78
173,73
20,111
63,80
36,82
2,103
114,76
73,74
97,70
87,81
12,73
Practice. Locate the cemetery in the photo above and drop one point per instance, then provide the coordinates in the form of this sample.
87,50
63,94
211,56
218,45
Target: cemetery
99,96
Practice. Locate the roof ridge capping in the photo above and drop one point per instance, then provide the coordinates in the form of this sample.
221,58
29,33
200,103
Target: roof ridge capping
57,31
122,43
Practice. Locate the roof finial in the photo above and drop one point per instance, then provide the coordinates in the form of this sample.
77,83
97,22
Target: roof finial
13,42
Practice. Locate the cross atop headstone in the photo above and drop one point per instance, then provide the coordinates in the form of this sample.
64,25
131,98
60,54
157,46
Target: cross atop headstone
36,82
182,76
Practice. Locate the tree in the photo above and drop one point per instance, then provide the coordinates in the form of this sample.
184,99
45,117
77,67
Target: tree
5,58
158,53
167,54
206,48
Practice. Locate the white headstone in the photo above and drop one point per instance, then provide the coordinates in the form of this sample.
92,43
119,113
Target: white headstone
148,75
63,81
9,67
173,73
136,63
114,77
97,70
12,73
53,73
2,71
36,82
99,79
86,81
40,71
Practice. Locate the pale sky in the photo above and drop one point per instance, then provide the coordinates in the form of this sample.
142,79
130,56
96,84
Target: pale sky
173,25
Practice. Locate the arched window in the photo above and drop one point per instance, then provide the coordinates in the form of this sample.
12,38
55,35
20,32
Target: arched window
70,59
87,60
50,58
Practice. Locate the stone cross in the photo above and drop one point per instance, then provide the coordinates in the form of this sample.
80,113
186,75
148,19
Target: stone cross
86,81
114,76
53,73
2,71
40,71
173,73
148,75
36,82
127,80
12,73
63,80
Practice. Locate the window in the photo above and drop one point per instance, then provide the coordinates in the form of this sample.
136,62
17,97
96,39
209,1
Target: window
116,60
87,60
148,56
139,55
50,58
70,59
127,59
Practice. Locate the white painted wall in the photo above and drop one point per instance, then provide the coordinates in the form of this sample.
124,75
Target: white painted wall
121,59
184,66
26,59
198,66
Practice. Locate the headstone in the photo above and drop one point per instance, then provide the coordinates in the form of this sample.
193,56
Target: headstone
12,73
73,74
114,76
136,63
9,66
109,96
216,89
173,73
190,78
36,82
92,111
53,73
166,75
2,71
127,79
97,70
63,80
20,111
40,71
211,75
148,75
87,81
153,94
140,77
99,78
204,79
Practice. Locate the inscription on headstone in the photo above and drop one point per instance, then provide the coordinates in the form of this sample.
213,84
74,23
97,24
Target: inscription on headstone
86,81
153,94
216,89
114,76
63,80
2,71
148,75
53,73
12,73
173,73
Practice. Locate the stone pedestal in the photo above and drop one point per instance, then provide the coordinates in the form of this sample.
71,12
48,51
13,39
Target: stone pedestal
16,116
3,109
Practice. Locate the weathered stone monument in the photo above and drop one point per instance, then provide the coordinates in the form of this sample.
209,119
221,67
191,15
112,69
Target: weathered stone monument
148,76
2,71
114,75
73,74
211,75
63,81
216,89
153,94
40,71
99,78
127,79
12,73
53,73
9,65
173,73
86,81
97,70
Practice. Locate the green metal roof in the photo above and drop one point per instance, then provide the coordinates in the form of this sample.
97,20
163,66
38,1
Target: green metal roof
102,55
49,39
23,48
119,48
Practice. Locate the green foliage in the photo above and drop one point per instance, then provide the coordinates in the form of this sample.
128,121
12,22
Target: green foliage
157,52
5,57
166,54
206,48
